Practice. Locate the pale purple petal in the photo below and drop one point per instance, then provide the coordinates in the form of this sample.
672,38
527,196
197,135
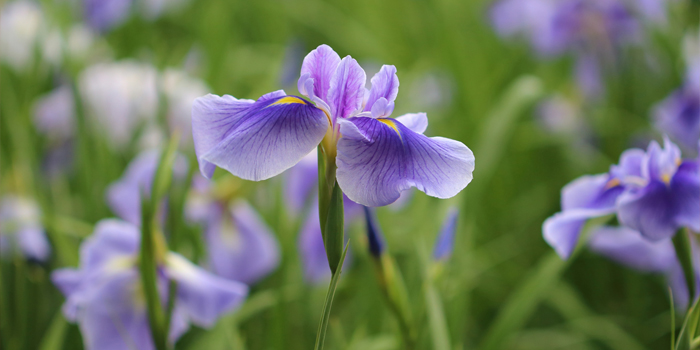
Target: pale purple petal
379,158
562,230
630,167
300,182
116,330
385,85
203,296
311,249
21,229
590,192
54,113
243,250
679,116
111,239
320,65
417,122
630,248
33,243
662,163
104,15
347,89
446,239
255,141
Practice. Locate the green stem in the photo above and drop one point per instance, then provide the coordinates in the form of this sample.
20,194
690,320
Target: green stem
395,306
323,324
682,245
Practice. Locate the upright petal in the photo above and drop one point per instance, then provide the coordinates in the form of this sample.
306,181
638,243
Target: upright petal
255,141
662,163
204,297
244,250
562,230
320,65
417,122
385,84
347,89
379,158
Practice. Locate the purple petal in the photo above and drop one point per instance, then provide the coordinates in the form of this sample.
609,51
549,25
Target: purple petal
311,248
125,329
658,210
244,250
21,229
679,116
385,85
417,122
33,243
103,15
446,239
204,297
379,158
320,65
590,192
54,113
630,248
662,163
347,89
300,182
375,239
562,230
630,166
255,141
111,239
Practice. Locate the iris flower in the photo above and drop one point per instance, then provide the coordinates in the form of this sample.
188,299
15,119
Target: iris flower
653,192
105,297
240,246
21,230
444,246
377,157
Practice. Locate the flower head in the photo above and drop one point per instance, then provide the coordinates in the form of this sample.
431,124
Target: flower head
105,297
377,157
240,246
21,229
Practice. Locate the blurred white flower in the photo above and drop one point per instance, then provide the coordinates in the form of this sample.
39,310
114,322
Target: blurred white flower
21,26
120,96
180,90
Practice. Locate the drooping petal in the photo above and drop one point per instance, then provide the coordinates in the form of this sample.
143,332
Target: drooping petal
446,239
630,248
347,89
255,141
379,158
562,230
243,250
385,85
589,191
203,296
320,65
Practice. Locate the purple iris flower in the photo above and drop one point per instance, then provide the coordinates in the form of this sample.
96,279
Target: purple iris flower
446,239
104,296
628,247
240,246
666,197
311,248
375,238
653,192
103,15
377,157
592,30
124,195
21,230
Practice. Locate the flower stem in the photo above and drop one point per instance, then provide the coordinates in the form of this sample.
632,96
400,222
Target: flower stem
682,245
323,324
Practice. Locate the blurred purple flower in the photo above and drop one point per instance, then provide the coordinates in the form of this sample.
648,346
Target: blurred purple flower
240,246
653,192
256,140
124,195
446,239
104,296
103,15
300,182
21,229
592,30
628,247
311,248
54,113
375,239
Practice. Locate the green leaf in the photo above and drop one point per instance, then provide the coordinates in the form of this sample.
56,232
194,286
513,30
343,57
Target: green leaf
53,339
326,313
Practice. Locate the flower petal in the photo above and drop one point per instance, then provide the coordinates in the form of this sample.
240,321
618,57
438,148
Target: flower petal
255,141
562,230
650,210
33,243
630,248
347,89
446,239
320,65
385,84
203,296
590,192
112,238
244,251
379,158
417,122
128,329
686,188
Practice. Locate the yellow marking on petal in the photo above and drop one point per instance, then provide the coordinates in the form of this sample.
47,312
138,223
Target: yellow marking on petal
666,178
288,100
391,124
612,183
